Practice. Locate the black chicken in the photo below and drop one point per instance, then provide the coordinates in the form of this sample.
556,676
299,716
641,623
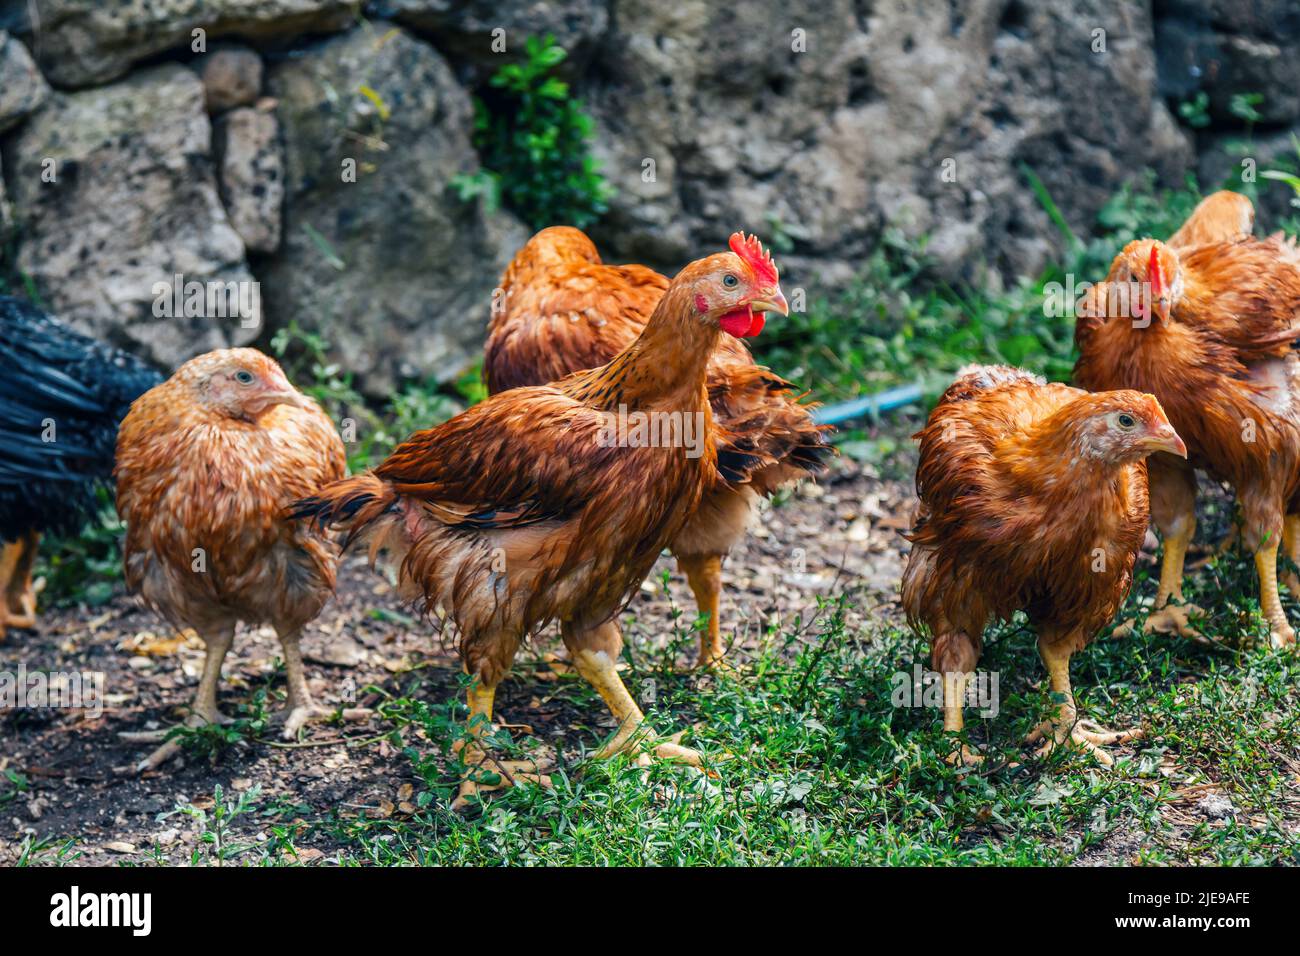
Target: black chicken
62,396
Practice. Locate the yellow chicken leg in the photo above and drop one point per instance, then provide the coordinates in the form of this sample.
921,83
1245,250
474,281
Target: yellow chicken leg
597,668
483,773
1291,548
301,707
954,721
1065,724
8,558
1270,602
1172,613
19,591
204,710
704,573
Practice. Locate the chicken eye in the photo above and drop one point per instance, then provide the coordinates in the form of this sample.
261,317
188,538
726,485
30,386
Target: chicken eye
730,281
1126,421
244,377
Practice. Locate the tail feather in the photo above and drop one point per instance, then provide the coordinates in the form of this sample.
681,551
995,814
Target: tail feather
352,505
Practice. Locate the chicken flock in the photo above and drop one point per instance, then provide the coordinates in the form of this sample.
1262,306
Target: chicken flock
626,416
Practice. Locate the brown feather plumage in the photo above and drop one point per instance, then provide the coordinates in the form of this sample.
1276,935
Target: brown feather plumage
1033,497
517,512
1220,217
562,310
207,463
1222,363
1012,508
189,477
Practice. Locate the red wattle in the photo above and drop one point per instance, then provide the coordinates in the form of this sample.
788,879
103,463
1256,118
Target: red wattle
737,322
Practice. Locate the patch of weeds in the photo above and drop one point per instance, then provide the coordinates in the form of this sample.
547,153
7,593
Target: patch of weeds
84,568
214,824
823,767
48,851
12,784
534,141
432,735
210,741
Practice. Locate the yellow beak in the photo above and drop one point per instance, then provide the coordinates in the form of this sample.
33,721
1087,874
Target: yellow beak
775,302
1166,439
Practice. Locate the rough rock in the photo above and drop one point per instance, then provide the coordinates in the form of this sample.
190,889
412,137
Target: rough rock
816,123
90,41
826,145
22,88
133,203
1226,48
464,29
393,269
252,174
232,76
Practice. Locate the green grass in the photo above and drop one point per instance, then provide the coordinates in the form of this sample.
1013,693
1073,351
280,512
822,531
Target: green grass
823,768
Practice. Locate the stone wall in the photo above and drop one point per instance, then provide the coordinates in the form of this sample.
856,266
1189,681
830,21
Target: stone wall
311,144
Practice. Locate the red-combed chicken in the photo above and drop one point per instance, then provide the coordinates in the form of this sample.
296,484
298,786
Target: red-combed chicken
1034,498
207,463
541,504
1209,330
560,310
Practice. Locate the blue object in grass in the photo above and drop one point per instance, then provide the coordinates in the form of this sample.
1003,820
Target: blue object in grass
869,405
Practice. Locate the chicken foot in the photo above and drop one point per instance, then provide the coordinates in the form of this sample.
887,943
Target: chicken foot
1281,633
1065,725
301,707
1173,510
704,574
203,710
597,668
480,768
19,608
594,651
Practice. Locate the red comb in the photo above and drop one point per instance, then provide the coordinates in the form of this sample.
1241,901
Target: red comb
753,254
1153,273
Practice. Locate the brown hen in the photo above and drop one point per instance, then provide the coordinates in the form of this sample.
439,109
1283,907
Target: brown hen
1209,330
559,310
1033,497
545,503
206,464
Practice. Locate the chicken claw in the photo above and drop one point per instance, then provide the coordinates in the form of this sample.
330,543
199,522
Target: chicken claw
963,756
1173,618
1084,734
170,748
296,717
509,773
1281,634
479,764
1170,619
598,669
301,707
669,750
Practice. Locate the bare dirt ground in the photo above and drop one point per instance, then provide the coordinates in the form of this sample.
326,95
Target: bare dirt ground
839,536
